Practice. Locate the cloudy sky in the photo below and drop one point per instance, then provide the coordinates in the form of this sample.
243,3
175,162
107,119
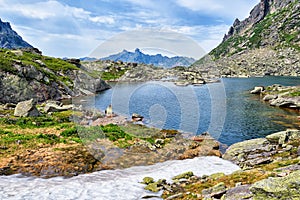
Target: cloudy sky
75,28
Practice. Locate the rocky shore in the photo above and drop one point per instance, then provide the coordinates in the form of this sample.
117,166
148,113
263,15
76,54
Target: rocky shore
280,96
52,139
270,170
133,72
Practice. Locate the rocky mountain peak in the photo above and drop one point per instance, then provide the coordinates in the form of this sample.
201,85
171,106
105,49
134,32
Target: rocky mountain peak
257,14
137,50
157,60
10,39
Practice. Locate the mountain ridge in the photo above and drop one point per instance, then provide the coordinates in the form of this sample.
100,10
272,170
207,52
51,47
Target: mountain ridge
10,39
265,43
158,60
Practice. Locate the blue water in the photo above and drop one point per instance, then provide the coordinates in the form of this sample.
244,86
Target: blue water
226,109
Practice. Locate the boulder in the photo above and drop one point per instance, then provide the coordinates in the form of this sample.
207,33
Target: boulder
51,107
26,109
242,153
283,102
287,187
238,193
216,191
257,90
283,137
136,117
269,97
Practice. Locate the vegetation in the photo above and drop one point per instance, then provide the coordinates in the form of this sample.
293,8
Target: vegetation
48,66
113,74
254,36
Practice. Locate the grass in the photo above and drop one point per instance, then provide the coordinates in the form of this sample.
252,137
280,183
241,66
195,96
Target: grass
51,67
112,75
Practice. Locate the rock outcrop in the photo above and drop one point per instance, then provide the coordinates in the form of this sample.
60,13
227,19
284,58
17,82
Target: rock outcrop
257,14
10,39
280,96
259,151
26,74
287,187
266,43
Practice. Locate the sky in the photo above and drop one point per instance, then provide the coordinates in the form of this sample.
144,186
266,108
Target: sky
76,28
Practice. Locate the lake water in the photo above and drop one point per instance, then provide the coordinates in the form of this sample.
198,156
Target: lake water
226,110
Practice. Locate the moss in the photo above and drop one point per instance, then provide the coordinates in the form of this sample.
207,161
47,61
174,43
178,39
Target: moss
295,94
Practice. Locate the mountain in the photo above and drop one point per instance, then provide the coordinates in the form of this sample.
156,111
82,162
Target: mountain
9,39
265,43
88,59
158,60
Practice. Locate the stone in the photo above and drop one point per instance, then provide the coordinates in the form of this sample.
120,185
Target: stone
148,180
185,175
245,146
156,186
257,90
269,97
238,193
287,187
278,137
136,117
51,107
285,102
26,109
216,191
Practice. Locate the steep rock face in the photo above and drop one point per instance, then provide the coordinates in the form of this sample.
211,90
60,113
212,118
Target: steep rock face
266,43
10,39
258,13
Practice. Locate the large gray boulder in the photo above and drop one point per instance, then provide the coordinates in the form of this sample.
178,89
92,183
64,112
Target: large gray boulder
278,188
250,153
26,109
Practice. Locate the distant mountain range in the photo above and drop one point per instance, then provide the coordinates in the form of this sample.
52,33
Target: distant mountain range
9,39
157,60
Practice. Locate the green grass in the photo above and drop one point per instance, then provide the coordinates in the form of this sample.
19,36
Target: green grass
295,94
114,133
60,119
112,75
13,140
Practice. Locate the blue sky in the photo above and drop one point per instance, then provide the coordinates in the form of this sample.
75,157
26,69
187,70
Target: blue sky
74,28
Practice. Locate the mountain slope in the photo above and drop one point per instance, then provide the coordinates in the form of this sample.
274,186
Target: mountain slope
157,60
26,74
9,39
266,43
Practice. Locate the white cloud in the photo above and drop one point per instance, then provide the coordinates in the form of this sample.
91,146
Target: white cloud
203,5
53,9
229,8
102,19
